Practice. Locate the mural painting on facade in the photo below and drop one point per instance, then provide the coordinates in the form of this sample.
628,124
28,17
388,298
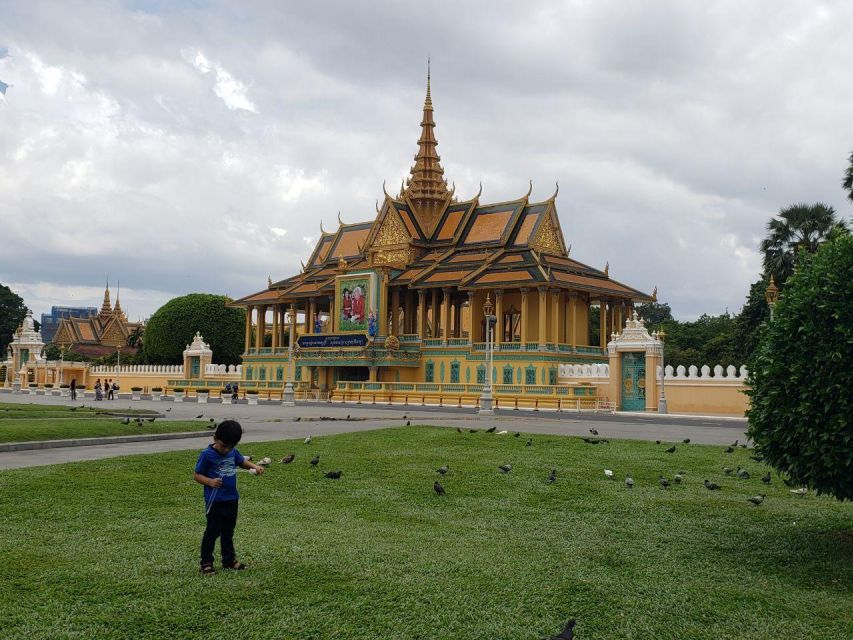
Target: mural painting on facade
353,304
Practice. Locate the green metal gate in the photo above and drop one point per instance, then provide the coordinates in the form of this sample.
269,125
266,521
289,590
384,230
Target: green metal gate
634,381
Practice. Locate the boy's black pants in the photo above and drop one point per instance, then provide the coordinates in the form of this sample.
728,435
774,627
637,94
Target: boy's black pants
221,520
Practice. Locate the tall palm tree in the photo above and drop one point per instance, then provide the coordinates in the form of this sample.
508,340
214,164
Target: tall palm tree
847,183
800,227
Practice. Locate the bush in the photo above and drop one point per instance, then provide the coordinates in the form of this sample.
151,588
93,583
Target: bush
157,389
202,390
178,390
65,386
137,389
801,375
173,326
48,386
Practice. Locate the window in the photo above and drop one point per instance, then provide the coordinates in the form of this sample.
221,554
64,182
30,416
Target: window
262,373
507,379
454,372
298,374
279,374
552,376
530,375
249,372
481,375
429,372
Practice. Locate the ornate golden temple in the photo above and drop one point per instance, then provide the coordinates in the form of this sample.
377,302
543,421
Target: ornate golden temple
396,304
99,335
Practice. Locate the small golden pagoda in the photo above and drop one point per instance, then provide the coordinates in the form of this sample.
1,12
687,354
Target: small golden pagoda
395,304
99,335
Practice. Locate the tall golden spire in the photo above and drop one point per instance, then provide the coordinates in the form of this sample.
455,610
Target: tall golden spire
106,308
427,189
117,309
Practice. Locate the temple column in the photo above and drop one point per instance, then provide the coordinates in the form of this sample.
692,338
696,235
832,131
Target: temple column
312,305
543,316
395,312
408,325
261,327
555,316
524,315
499,314
421,313
434,315
602,323
573,318
249,311
275,327
445,313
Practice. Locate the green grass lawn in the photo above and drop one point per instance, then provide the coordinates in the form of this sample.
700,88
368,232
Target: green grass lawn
109,549
28,422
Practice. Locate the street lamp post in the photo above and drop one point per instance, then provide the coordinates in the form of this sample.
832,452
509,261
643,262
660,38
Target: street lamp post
771,295
61,364
118,367
486,398
662,399
287,397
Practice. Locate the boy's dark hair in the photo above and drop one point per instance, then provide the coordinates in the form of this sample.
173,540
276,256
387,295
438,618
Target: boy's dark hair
229,432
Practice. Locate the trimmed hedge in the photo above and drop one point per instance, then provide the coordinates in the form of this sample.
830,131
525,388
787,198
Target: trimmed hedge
801,375
173,326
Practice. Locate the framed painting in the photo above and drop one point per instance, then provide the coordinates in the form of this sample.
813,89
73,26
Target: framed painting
355,304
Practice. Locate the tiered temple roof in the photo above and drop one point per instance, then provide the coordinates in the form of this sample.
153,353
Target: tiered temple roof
98,335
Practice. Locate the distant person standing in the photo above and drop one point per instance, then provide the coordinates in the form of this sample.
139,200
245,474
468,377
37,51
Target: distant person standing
99,394
110,389
73,389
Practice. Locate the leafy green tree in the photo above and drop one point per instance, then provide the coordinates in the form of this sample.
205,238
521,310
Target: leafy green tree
847,183
12,312
801,375
52,351
748,323
173,326
654,313
800,227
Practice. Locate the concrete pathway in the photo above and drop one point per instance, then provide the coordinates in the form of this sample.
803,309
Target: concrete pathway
273,422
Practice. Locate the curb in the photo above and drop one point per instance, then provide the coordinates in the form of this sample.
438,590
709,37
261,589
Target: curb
86,442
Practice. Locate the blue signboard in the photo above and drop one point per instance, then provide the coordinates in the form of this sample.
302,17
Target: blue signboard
315,341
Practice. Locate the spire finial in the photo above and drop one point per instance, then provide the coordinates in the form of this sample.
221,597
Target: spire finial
428,97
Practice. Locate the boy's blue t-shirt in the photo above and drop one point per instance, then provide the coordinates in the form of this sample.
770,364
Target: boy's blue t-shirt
213,464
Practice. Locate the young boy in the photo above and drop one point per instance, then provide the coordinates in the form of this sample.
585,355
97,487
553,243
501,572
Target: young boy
216,469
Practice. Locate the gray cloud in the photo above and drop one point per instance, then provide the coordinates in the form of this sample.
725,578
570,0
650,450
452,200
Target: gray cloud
196,147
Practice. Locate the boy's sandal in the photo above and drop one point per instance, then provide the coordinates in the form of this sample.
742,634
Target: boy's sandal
236,565
207,569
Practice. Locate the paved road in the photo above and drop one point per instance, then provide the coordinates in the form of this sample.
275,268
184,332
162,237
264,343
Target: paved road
273,422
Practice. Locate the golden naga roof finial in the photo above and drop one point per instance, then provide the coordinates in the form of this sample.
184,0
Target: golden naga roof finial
655,294
269,281
607,268
384,191
480,192
569,250
529,191
322,231
340,222
402,187
303,266
377,205
554,197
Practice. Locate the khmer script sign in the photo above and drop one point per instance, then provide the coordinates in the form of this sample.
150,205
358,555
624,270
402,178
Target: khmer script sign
321,341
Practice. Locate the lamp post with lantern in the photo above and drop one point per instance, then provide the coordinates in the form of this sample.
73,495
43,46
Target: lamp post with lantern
662,399
486,397
771,295
287,397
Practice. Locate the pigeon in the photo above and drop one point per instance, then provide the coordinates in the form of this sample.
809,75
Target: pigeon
529,442
404,417
436,486
505,468
442,470
73,409
347,416
315,461
288,458
800,492
126,421
757,500
472,431
733,444
711,486
333,475
609,473
657,441
594,431
151,419
766,478
671,449
408,423
298,419
686,441
629,482
743,446
516,434
491,429
458,429
308,440
678,478
553,477
664,482
727,471
199,416
567,633
593,440
168,410
743,474
729,450
502,433
212,420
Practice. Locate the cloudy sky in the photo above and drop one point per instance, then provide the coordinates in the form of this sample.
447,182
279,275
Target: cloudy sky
196,146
